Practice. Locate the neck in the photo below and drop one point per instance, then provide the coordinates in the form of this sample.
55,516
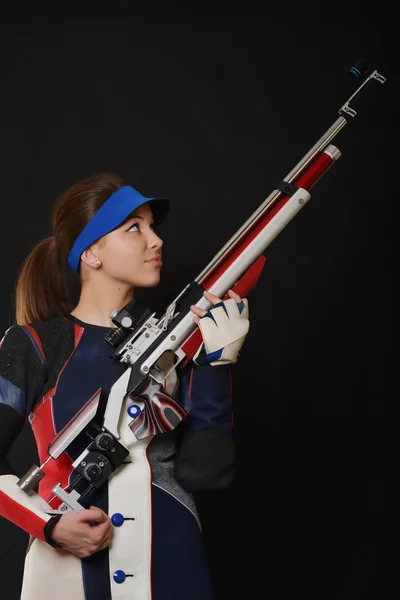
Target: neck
95,305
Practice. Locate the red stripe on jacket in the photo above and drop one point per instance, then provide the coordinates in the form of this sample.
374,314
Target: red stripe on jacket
22,516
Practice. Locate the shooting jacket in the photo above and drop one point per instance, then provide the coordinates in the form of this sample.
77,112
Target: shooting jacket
48,371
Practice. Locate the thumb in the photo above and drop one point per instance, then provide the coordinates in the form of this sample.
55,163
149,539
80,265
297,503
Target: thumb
94,513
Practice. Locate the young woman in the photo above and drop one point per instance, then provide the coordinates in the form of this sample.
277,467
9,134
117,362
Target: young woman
140,536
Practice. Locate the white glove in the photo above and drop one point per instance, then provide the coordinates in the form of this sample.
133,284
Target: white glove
224,329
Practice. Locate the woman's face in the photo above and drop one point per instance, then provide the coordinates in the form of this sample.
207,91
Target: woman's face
131,253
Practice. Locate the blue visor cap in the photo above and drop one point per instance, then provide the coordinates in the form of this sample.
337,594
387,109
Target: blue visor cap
110,215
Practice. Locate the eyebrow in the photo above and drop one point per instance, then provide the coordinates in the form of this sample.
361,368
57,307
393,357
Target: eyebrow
138,217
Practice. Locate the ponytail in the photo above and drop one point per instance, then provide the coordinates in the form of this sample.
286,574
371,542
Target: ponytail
41,290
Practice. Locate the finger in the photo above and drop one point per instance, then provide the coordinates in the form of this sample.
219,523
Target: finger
196,319
103,529
233,294
108,534
200,312
208,296
99,518
102,516
94,513
99,533
211,297
232,308
105,544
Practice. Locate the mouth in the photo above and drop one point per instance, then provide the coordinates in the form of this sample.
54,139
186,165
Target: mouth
157,262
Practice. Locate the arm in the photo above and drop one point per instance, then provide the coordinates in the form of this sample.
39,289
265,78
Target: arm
23,375
206,453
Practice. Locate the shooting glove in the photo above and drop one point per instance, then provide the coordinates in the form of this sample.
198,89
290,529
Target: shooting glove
224,329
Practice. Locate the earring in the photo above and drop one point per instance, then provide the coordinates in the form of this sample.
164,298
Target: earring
98,262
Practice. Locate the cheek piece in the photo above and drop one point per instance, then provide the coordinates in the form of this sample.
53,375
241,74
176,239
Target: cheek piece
110,215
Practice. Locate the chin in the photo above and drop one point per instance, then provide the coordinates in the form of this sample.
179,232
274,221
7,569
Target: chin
147,282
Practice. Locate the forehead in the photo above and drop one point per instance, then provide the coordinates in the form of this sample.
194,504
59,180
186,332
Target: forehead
142,212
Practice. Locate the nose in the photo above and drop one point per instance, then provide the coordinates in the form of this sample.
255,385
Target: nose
154,241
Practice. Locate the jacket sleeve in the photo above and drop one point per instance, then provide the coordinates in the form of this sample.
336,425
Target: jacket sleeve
206,452
23,374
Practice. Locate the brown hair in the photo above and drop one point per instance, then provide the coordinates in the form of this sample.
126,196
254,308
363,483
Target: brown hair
41,290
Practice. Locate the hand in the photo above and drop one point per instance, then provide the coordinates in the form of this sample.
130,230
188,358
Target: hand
223,329
83,532
214,300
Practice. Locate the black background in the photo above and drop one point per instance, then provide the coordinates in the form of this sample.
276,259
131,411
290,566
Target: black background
213,112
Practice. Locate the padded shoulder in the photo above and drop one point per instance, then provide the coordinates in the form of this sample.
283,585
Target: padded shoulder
56,337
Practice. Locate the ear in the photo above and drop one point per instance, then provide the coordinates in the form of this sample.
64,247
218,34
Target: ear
89,257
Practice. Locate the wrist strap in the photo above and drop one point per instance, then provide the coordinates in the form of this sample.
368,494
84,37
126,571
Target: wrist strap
48,528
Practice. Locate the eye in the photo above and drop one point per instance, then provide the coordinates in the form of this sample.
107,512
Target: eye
137,227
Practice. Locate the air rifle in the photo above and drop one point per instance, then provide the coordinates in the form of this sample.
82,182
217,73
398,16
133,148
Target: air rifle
140,339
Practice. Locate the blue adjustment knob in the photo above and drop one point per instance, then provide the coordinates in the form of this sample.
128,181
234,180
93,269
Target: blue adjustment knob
133,410
119,576
117,519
